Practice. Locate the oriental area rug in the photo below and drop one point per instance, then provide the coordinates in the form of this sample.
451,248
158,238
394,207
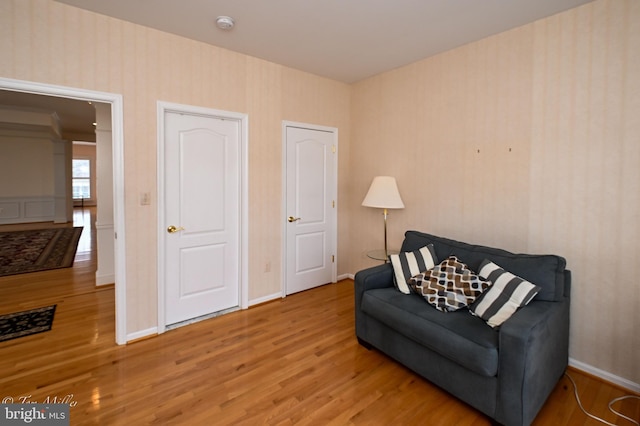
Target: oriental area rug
26,323
37,250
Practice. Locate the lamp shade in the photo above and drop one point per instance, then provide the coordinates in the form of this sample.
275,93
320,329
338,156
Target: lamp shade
383,194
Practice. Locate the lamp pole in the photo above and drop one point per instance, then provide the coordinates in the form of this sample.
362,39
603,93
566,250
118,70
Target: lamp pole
386,252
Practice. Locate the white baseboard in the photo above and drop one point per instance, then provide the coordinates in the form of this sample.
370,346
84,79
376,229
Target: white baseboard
105,279
605,375
142,333
264,299
275,296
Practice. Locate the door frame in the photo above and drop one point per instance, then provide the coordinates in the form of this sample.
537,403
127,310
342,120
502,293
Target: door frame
243,241
117,136
334,231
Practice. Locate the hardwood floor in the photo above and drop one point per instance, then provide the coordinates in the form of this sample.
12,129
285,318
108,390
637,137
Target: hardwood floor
291,361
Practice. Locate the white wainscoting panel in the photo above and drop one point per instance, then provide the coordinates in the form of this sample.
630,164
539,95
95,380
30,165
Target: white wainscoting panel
26,209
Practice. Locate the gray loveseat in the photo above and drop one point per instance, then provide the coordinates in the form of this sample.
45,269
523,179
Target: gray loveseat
506,373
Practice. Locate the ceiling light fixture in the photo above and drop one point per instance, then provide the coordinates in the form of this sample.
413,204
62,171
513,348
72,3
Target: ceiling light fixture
225,22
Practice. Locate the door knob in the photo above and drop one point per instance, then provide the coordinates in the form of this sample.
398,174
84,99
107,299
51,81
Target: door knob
293,219
172,229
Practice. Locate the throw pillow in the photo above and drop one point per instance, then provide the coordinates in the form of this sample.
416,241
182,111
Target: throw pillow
508,293
449,286
410,263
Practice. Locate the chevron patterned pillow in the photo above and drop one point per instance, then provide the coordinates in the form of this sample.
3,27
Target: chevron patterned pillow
449,286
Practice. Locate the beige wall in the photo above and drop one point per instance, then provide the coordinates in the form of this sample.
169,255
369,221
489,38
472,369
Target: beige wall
26,163
45,41
528,140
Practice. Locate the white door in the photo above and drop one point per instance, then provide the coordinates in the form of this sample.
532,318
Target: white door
310,222
202,215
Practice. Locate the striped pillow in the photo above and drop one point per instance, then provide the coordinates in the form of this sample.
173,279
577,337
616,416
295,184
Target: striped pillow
410,263
508,293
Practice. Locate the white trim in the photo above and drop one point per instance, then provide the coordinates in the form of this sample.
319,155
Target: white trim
605,375
283,207
142,334
265,299
104,279
346,276
243,119
118,177
161,110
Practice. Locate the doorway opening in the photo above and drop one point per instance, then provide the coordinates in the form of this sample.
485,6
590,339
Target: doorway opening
114,101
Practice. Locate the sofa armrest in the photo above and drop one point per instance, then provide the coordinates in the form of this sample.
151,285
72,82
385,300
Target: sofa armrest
533,354
375,277
380,276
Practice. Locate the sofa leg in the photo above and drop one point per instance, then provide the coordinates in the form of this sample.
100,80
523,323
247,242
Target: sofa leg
366,344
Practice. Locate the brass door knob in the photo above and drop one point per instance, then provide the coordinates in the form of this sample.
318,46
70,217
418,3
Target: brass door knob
293,219
172,229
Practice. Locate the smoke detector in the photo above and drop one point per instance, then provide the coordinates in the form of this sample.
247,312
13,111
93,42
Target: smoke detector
225,22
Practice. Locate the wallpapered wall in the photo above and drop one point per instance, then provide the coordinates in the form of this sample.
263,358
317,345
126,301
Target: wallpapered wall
45,41
528,140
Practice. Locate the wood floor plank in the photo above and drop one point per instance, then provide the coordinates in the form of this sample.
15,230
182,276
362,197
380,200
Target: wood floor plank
291,361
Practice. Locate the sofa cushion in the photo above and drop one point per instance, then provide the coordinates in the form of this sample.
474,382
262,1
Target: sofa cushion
407,264
459,336
546,271
507,294
449,286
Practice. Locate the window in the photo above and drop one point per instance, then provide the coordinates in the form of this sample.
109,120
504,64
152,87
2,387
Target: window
81,175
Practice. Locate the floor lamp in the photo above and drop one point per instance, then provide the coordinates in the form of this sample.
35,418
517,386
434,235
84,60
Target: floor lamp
383,194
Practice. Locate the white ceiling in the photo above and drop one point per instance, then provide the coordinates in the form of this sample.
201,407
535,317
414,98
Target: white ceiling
345,40
76,118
